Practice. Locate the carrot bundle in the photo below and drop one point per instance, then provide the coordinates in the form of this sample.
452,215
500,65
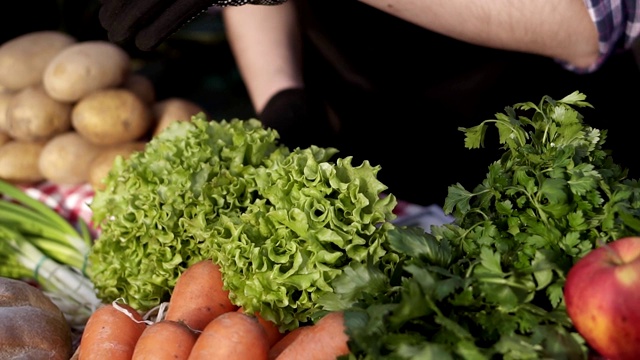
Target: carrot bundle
202,323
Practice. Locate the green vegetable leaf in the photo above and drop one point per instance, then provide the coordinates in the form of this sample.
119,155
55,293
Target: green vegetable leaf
549,199
491,261
282,225
457,197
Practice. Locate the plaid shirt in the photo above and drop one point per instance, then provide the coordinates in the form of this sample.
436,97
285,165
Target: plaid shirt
618,24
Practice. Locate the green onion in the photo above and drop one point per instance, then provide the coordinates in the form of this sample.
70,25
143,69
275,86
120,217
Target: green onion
34,217
38,244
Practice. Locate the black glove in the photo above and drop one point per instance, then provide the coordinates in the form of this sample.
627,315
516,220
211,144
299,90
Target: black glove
149,22
300,119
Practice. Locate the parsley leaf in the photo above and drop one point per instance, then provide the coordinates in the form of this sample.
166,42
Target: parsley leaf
490,284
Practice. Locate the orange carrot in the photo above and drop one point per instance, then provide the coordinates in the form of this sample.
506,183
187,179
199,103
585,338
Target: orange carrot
232,335
198,296
325,339
273,333
165,340
286,340
111,334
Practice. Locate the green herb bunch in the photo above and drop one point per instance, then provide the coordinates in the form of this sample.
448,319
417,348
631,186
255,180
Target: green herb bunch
490,285
39,245
281,224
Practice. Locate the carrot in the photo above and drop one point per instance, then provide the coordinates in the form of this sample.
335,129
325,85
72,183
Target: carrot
273,333
286,340
198,296
165,340
110,334
325,339
232,335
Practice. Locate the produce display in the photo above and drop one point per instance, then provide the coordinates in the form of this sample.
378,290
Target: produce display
215,240
64,102
299,234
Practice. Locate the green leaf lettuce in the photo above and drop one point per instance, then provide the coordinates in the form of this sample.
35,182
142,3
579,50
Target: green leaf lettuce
281,224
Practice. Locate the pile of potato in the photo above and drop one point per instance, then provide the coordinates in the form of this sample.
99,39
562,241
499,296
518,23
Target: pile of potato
68,108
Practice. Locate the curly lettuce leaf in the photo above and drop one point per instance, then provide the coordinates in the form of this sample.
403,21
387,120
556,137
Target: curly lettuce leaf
316,218
157,208
281,224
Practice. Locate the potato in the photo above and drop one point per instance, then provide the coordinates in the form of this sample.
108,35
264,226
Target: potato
19,161
4,104
33,115
111,116
65,159
141,86
23,59
85,67
173,109
4,138
102,164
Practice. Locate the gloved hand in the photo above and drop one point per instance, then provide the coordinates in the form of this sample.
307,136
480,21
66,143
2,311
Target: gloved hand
300,119
148,22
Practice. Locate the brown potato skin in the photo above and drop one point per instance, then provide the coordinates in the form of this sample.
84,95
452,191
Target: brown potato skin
4,138
31,325
65,159
84,68
171,110
141,86
23,59
32,115
111,116
4,104
103,162
19,161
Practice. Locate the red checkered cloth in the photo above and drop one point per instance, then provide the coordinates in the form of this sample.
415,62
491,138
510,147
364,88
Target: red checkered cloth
72,202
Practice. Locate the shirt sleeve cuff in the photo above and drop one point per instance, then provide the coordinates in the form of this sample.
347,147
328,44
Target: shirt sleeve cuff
617,24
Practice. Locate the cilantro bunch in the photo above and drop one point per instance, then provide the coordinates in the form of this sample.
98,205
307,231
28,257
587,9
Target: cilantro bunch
490,284
281,224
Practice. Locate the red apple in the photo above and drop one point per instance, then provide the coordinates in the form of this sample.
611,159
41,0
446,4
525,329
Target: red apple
602,296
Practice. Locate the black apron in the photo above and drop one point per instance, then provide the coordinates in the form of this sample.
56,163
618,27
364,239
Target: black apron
400,93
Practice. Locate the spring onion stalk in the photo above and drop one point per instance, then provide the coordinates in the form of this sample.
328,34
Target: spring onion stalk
60,252
33,227
72,292
10,267
38,244
35,218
